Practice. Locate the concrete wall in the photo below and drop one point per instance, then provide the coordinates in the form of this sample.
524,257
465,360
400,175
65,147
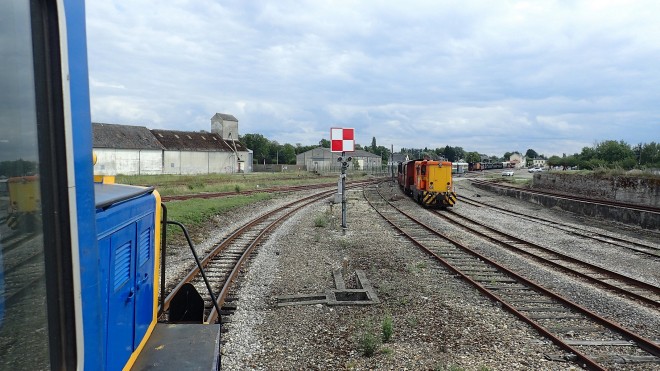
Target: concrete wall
643,219
127,161
642,191
184,162
194,162
225,128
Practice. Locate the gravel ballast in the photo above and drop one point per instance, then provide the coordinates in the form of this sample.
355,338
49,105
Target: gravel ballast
438,321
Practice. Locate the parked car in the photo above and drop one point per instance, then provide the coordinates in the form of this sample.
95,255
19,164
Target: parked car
507,173
535,170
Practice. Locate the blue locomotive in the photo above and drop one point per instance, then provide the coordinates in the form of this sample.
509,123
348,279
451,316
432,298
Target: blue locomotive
78,286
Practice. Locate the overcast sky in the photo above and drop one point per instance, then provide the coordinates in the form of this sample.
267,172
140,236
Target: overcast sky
489,76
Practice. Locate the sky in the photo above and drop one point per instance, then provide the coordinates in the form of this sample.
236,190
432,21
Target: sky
488,76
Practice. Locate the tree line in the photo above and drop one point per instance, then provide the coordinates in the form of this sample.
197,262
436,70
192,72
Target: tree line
608,153
612,154
18,167
266,151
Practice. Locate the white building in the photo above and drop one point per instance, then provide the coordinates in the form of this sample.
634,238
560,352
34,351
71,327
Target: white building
322,159
126,149
136,150
539,162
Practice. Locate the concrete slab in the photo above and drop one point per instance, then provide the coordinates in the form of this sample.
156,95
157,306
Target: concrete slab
181,347
364,295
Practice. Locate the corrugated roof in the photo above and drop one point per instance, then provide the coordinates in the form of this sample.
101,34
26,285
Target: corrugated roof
194,141
225,116
123,137
399,157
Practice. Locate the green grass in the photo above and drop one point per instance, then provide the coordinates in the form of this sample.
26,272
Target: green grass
195,212
173,185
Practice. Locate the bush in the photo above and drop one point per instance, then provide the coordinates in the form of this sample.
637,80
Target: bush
321,221
368,344
388,329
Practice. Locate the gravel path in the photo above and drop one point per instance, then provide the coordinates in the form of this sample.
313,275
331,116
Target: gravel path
438,321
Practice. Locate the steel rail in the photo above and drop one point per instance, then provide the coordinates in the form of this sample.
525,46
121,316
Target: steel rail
613,240
613,275
218,248
224,243
264,190
642,342
224,291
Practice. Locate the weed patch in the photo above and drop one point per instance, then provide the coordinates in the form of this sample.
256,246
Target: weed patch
368,344
388,329
321,221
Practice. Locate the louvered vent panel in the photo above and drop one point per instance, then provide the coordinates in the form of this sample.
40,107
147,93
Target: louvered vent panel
122,264
144,247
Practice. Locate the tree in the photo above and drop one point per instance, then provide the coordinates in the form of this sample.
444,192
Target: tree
555,161
450,154
531,154
472,157
459,153
612,151
274,153
19,167
258,144
650,154
324,143
373,144
383,152
288,154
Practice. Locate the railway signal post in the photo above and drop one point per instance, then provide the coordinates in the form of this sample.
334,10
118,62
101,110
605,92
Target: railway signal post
342,140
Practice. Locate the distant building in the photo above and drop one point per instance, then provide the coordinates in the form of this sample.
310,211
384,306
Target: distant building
539,162
517,160
126,149
322,159
398,158
201,153
225,125
136,150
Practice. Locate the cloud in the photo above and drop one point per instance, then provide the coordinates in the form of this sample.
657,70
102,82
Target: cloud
487,76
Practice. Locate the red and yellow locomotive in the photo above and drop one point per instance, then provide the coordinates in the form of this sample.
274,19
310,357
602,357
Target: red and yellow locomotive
428,182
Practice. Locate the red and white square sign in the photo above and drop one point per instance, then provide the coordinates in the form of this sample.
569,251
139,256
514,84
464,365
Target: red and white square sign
342,139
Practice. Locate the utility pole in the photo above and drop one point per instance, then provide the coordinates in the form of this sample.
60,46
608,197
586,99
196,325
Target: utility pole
345,161
392,160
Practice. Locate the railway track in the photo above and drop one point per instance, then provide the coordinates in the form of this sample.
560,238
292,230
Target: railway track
636,246
226,259
621,284
589,339
264,190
